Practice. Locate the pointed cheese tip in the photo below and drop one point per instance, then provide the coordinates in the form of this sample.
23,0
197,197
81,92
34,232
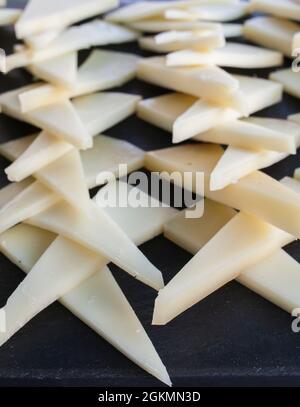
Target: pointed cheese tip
163,376
159,312
177,136
13,175
154,280
216,182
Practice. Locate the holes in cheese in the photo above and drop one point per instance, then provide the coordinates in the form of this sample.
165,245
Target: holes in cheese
60,118
61,71
272,33
101,70
281,8
243,241
24,244
158,25
232,55
38,17
289,81
275,278
210,12
46,148
257,193
211,83
187,117
204,40
9,16
96,32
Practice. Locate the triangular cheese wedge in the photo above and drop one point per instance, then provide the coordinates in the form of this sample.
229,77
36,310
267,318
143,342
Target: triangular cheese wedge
186,116
9,16
275,278
157,25
46,148
288,9
257,193
289,80
65,176
200,40
271,32
10,191
24,244
14,148
232,55
43,39
85,231
243,241
60,119
61,71
209,11
236,163
38,17
101,70
96,32
31,200
211,83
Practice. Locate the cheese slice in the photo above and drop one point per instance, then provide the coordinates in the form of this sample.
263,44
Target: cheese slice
147,9
237,162
61,71
186,116
275,278
60,118
105,155
157,25
203,40
84,229
11,190
209,11
62,218
9,16
94,33
289,81
243,241
211,83
46,148
200,230
43,39
232,55
294,118
281,8
52,14
24,245
271,32
101,70
31,200
257,193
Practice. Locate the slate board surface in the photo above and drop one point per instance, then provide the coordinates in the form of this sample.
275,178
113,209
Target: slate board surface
234,337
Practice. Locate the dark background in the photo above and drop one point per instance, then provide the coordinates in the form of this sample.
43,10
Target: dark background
234,337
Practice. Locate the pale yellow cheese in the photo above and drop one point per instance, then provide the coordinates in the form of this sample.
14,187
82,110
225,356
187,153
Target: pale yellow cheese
288,9
96,32
157,25
10,191
101,70
61,71
272,33
9,15
43,39
209,11
46,148
50,14
97,301
203,40
147,9
257,193
242,242
276,278
297,174
60,118
232,55
211,83
186,117
289,80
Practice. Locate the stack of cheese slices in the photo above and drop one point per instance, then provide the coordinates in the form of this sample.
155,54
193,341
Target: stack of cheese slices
64,240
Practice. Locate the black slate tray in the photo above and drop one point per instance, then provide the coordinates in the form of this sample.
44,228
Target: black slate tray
234,337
